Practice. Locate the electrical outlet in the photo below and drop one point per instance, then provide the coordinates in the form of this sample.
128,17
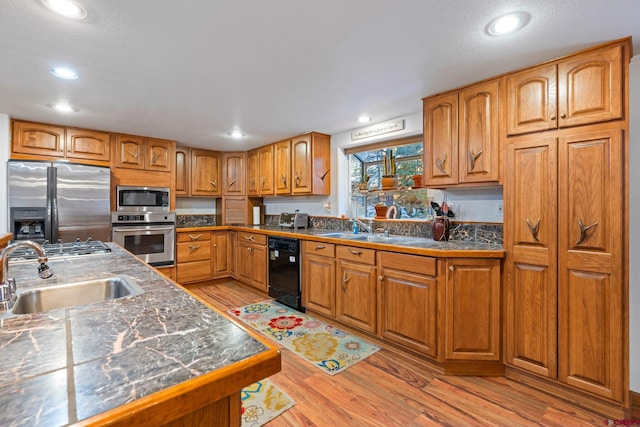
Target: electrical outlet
500,211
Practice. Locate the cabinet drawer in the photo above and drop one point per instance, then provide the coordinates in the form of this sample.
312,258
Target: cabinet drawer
260,239
193,251
193,271
409,263
194,236
319,248
364,256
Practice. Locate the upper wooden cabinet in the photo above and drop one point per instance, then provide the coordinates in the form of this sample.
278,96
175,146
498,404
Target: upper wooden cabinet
582,89
260,166
37,140
206,173
134,152
311,163
253,172
183,169
234,173
461,136
282,167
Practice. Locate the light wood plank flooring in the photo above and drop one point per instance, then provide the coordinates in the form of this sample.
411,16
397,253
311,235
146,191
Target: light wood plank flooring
388,389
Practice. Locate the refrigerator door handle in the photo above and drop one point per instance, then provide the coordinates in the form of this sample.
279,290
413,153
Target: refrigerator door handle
52,204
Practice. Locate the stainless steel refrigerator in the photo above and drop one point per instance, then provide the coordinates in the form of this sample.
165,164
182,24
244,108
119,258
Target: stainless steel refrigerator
59,200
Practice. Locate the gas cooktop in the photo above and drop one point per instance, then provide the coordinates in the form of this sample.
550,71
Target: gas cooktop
62,249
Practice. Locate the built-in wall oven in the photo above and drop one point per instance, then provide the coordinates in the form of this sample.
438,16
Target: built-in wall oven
148,235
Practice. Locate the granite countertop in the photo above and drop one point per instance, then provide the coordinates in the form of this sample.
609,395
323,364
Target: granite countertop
67,365
406,244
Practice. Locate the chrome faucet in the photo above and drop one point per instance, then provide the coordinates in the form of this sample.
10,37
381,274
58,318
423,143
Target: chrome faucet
8,284
367,228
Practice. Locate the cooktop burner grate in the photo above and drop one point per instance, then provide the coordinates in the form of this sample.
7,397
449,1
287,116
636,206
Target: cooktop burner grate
56,250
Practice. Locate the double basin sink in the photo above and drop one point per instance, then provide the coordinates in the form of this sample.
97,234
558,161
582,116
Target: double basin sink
73,294
375,238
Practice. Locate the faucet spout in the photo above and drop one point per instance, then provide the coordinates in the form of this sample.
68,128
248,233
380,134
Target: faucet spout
367,228
7,284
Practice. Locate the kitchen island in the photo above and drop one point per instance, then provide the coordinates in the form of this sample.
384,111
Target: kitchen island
160,358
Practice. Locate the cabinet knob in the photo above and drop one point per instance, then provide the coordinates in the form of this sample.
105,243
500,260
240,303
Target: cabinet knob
381,278
563,116
451,268
552,118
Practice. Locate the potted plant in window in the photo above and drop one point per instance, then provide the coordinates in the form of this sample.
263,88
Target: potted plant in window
381,210
389,177
417,178
364,184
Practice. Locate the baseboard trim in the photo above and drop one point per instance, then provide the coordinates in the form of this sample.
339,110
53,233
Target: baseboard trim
635,404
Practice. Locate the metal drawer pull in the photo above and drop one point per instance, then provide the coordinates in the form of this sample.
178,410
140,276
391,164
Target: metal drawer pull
534,229
193,248
345,279
192,237
583,230
355,252
473,158
440,164
318,247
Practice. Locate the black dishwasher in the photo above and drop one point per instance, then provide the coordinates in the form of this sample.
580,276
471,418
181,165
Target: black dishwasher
284,271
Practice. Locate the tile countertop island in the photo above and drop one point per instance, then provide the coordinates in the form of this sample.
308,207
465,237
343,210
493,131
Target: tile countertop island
154,359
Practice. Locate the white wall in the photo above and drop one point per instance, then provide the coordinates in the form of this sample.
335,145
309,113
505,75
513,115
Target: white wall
634,223
5,149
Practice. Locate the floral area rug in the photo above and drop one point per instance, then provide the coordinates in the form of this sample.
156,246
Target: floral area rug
262,402
319,343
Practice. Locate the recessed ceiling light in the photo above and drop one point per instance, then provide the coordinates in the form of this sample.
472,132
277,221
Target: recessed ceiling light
507,24
63,108
364,119
64,73
67,8
236,133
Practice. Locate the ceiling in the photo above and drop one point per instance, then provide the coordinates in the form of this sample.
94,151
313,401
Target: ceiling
193,70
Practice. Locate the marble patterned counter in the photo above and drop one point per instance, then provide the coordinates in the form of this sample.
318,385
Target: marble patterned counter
67,365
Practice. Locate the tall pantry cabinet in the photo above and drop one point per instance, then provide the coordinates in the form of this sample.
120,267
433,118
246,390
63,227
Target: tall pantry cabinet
566,217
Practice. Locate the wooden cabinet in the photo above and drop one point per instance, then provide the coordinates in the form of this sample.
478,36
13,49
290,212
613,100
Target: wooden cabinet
282,167
253,172
206,173
169,272
220,254
193,256
408,301
472,310
42,141
236,210
234,173
461,136
564,240
356,287
252,260
183,169
311,163
134,152
582,89
319,277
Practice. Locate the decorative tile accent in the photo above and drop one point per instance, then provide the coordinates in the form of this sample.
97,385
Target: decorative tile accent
185,221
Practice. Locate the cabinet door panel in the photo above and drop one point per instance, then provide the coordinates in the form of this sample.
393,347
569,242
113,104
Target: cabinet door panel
472,310
266,185
183,168
531,100
205,173
259,276
357,296
478,133
220,254
87,145
319,284
253,172
591,285
531,244
37,139
129,152
590,87
408,310
159,155
234,174
441,140
282,178
301,164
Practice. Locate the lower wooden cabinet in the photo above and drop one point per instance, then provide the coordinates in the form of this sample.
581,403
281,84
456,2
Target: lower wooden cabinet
319,277
356,292
472,307
193,255
408,301
220,254
169,272
252,260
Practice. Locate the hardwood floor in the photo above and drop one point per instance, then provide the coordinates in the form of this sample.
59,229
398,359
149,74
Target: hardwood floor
388,389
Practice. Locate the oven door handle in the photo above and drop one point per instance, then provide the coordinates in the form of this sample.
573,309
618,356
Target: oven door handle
147,228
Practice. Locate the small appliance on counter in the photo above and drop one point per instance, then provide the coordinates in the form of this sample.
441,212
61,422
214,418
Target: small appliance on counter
294,220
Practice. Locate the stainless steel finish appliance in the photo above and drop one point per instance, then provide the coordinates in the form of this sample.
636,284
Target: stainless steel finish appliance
58,200
148,235
62,249
284,271
142,199
294,220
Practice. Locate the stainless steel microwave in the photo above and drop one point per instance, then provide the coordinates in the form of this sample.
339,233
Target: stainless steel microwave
142,199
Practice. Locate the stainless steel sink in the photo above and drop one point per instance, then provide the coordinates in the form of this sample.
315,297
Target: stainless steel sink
374,238
338,235
74,294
